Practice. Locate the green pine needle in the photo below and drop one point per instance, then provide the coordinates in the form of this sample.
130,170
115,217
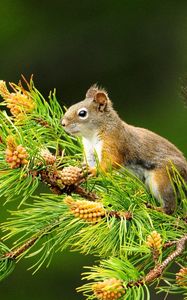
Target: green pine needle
6,265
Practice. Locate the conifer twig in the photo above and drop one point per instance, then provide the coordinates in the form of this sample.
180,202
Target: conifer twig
85,194
159,269
169,244
42,122
66,189
16,252
119,214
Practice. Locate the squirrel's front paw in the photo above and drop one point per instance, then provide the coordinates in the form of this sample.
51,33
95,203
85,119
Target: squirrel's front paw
92,171
89,171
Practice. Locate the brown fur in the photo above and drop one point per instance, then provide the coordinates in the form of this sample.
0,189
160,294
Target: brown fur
110,153
161,187
143,152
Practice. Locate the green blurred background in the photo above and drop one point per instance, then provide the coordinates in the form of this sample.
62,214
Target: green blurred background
136,49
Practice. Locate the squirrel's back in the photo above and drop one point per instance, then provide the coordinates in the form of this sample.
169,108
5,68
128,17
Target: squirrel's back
95,120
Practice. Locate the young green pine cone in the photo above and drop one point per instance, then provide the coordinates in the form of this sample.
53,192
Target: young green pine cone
154,240
87,210
70,175
109,289
181,277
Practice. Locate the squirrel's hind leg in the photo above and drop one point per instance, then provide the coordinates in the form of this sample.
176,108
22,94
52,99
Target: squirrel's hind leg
159,184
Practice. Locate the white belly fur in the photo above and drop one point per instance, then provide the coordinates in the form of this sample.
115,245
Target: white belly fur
92,150
152,185
148,178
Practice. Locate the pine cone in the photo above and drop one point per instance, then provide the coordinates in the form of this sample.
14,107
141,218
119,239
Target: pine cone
19,103
16,155
70,175
87,210
4,92
109,289
48,157
181,277
154,240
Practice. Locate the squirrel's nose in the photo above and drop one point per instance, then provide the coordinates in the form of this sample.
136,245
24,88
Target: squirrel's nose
63,122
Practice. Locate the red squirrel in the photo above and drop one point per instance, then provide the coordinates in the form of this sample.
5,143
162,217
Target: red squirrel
148,155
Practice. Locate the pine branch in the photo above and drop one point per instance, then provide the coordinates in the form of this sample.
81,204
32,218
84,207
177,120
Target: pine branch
158,270
111,216
125,286
85,194
22,249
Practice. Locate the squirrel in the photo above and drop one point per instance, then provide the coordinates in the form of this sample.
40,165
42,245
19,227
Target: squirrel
149,156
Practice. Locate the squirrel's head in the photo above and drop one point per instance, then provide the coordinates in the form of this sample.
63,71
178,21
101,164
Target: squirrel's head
86,117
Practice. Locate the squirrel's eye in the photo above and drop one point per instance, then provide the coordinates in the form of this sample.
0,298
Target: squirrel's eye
82,113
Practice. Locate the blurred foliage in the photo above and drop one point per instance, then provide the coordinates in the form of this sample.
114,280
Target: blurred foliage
136,49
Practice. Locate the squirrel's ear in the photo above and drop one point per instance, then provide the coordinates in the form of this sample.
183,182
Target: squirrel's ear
102,100
92,91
